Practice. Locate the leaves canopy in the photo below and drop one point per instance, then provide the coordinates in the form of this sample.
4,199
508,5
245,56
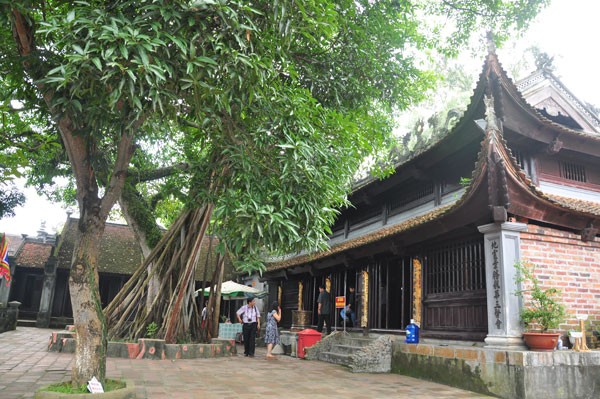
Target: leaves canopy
274,103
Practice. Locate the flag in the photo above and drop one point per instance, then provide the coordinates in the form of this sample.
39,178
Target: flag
4,267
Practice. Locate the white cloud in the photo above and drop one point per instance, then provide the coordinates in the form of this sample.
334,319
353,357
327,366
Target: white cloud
568,30
29,217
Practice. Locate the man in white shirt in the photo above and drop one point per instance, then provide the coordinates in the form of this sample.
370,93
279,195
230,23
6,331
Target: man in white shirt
250,317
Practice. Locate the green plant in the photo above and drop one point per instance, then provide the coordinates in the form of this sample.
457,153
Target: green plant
67,387
151,330
465,181
543,309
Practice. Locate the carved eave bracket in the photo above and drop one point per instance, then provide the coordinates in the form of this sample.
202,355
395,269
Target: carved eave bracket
397,249
555,146
347,260
589,233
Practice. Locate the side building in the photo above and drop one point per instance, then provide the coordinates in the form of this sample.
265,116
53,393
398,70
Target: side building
40,270
517,177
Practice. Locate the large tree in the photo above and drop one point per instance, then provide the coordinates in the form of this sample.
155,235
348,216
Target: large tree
276,103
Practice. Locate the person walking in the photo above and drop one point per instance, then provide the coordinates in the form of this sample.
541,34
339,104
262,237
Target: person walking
271,331
250,317
324,309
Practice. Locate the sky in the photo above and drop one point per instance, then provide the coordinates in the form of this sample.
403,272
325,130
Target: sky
567,30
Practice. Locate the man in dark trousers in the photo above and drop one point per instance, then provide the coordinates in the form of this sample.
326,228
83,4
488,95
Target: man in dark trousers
250,317
324,309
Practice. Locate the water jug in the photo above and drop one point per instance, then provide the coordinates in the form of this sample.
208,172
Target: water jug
412,333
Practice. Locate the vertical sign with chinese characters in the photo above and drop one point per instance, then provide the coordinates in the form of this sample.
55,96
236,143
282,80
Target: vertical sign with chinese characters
496,283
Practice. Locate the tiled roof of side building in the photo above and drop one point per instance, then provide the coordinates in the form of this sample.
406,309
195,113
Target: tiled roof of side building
120,252
14,243
33,254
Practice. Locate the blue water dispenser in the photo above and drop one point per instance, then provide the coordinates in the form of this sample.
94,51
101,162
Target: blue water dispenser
412,333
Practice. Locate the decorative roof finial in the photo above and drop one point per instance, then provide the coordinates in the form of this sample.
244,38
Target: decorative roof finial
491,45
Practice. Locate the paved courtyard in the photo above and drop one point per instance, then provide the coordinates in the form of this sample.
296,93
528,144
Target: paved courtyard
25,365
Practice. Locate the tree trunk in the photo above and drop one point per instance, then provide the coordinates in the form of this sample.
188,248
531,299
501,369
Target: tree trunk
90,325
147,233
174,310
215,321
87,309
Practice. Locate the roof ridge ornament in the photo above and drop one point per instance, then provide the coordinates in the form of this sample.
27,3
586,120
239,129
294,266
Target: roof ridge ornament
491,44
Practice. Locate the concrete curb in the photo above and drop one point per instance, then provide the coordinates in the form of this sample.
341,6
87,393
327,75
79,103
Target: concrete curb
154,349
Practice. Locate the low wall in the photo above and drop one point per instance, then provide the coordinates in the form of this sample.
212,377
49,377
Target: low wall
9,316
505,374
145,348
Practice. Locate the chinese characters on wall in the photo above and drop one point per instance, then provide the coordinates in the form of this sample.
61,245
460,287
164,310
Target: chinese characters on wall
496,284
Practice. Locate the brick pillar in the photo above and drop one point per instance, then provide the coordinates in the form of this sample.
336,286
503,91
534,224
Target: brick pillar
47,298
502,250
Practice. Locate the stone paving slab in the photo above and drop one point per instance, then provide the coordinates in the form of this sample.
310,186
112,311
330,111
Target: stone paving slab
25,365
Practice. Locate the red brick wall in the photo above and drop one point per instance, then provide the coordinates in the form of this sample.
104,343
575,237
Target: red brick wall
569,264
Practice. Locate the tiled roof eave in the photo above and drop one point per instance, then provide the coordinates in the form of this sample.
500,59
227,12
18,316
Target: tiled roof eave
435,215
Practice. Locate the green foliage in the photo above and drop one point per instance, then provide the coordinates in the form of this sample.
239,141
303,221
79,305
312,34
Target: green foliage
151,330
465,181
10,198
501,17
544,308
66,387
273,104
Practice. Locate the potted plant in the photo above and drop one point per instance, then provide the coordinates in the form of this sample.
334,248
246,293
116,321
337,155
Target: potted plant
542,311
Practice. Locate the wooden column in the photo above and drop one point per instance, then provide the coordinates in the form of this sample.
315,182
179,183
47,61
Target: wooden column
417,308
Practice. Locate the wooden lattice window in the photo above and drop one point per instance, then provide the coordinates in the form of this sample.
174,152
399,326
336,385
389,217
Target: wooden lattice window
573,171
455,267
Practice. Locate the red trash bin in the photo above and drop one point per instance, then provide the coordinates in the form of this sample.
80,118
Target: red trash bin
306,339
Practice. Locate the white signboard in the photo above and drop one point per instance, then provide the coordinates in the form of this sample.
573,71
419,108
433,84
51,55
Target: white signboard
94,386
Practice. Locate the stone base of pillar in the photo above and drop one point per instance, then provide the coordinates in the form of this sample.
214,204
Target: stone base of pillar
43,320
504,342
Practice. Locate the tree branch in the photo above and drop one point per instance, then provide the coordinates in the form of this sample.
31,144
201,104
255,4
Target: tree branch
148,175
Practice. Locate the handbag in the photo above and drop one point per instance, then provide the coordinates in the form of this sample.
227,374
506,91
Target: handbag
239,338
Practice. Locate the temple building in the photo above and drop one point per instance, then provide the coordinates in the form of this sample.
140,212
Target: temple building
517,177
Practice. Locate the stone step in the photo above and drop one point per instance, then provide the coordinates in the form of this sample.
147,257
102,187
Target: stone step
336,358
346,349
356,341
26,323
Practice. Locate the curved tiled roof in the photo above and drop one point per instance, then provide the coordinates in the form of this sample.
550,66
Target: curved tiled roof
33,254
544,74
516,95
120,252
493,141
592,208
363,240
